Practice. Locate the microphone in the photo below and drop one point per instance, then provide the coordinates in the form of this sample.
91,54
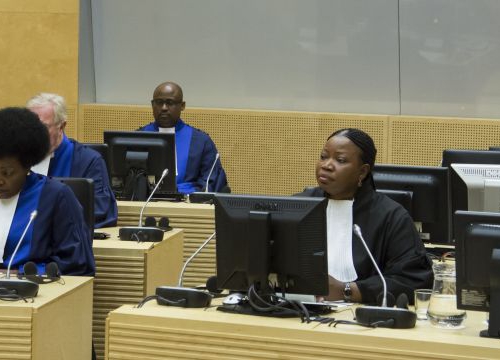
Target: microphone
383,316
17,287
205,196
163,174
184,297
202,246
211,170
142,233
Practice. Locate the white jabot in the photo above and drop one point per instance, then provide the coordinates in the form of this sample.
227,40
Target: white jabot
339,234
43,166
7,211
170,130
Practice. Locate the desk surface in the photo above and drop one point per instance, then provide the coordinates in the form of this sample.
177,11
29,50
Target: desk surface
57,325
196,333
127,271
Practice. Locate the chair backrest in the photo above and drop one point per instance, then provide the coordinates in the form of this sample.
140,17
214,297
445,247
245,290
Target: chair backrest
83,189
402,197
101,149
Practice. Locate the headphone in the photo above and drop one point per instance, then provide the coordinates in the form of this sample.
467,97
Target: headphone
163,223
52,273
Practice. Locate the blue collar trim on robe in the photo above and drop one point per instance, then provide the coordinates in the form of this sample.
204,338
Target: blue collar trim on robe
28,201
60,164
183,135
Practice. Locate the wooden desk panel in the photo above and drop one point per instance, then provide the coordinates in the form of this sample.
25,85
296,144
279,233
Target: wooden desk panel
57,325
128,271
198,223
177,333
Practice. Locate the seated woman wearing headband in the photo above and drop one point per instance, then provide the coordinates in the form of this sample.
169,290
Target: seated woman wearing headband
343,173
58,233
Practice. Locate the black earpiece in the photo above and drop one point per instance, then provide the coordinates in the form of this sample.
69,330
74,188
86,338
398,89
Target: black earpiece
164,223
51,273
402,301
150,221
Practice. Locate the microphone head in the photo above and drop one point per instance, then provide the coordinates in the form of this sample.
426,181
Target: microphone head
150,221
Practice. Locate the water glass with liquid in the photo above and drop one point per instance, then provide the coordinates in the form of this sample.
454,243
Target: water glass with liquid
443,310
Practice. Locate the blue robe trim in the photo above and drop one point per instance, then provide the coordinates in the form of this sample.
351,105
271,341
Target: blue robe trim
60,164
27,203
183,134
197,158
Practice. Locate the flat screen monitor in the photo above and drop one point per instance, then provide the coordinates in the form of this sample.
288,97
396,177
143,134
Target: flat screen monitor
460,156
137,160
275,243
430,199
475,187
477,252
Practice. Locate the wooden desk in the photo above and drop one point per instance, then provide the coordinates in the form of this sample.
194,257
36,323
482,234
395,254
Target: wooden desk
198,223
177,333
128,271
57,325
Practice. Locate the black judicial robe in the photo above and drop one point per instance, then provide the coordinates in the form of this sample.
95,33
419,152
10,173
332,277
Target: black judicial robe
394,242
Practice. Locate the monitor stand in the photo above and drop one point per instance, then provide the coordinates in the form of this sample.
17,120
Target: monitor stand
493,330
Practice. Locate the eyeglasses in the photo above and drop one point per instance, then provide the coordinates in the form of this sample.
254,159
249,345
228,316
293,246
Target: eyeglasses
168,102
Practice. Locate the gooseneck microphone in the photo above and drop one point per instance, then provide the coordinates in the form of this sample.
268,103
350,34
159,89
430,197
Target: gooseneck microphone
383,316
211,171
357,231
32,217
142,233
163,174
181,296
202,246
205,197
18,287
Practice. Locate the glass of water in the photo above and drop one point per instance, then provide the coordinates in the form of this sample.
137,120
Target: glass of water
442,311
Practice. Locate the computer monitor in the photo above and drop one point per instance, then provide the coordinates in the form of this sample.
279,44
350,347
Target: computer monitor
430,201
137,160
475,187
271,242
477,251
460,156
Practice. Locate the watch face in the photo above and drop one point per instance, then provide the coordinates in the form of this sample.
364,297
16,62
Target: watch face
347,291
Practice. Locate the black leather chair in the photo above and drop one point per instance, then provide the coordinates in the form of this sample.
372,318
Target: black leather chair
84,191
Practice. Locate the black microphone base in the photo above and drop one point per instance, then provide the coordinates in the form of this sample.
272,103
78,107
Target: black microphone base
202,197
22,288
183,297
141,234
395,318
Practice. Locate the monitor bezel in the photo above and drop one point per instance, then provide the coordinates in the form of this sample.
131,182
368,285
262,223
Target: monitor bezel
440,230
161,143
232,219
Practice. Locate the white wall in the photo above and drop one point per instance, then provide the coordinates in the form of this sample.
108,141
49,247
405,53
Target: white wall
428,57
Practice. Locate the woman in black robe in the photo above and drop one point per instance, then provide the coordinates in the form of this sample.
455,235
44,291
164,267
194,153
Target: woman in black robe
343,172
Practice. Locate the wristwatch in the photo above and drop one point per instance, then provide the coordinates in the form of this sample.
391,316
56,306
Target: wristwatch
347,292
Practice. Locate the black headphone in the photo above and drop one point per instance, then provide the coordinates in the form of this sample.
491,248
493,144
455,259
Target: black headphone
51,273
